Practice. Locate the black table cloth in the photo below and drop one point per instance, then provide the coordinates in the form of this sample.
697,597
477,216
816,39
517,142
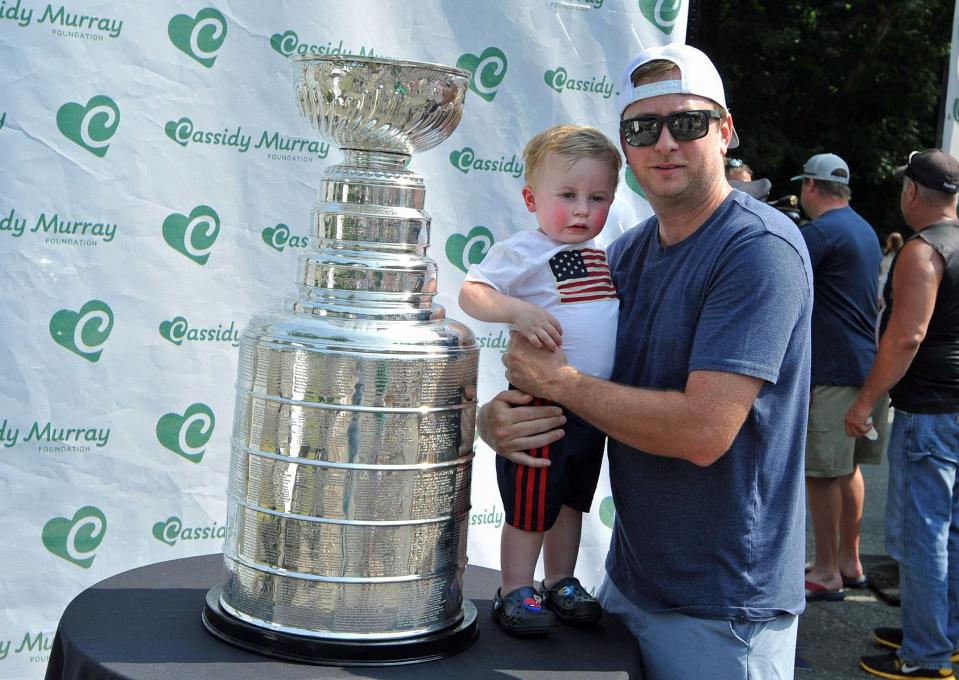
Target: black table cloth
145,624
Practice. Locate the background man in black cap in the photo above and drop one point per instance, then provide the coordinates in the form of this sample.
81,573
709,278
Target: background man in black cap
918,362
845,257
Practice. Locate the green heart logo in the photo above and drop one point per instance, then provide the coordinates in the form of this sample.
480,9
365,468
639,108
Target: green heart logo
168,531
77,539
85,332
193,235
462,251
174,330
187,435
556,78
91,126
607,511
179,131
276,237
488,71
285,44
200,37
462,160
661,13
633,183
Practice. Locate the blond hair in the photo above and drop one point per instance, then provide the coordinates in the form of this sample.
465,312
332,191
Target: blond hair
572,142
649,71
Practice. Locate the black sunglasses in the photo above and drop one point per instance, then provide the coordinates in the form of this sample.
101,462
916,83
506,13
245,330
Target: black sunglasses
684,126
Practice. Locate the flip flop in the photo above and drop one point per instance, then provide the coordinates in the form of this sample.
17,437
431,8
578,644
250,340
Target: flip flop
857,582
848,581
816,592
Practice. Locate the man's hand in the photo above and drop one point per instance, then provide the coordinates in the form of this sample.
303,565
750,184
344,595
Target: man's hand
859,419
512,427
538,326
532,369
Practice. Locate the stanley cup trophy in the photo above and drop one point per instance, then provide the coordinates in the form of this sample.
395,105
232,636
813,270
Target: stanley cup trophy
353,431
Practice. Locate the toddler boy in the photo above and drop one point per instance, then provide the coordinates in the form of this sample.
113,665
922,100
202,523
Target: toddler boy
553,286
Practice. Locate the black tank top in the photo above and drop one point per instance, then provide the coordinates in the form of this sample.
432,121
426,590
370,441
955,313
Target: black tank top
931,385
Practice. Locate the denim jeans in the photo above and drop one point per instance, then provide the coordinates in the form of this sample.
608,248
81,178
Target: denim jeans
922,533
674,646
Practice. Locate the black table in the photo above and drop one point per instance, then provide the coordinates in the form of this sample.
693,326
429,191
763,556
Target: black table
145,623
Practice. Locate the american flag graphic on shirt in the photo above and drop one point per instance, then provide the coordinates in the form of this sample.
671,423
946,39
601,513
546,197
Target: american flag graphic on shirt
582,275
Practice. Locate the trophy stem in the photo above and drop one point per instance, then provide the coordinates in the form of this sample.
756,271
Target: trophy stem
376,160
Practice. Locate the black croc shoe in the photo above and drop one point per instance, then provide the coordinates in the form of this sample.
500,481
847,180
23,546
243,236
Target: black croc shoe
521,612
571,603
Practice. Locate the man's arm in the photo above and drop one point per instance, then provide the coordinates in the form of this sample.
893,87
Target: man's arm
915,284
698,424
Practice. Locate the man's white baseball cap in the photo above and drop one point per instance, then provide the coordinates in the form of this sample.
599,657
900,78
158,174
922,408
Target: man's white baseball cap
827,167
698,77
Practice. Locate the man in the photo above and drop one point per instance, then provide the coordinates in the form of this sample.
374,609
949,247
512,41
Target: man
740,176
738,170
918,363
706,407
845,257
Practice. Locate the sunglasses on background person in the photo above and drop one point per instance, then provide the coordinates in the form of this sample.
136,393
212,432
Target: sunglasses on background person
684,126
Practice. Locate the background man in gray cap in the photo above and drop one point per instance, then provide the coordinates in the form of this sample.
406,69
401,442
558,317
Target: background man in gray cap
845,257
918,363
706,408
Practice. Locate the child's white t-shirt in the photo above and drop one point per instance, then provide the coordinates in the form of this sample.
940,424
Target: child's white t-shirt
570,281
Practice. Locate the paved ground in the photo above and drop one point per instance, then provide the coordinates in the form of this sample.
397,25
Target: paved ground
833,635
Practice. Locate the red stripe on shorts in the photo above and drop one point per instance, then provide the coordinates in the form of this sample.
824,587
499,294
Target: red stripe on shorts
541,511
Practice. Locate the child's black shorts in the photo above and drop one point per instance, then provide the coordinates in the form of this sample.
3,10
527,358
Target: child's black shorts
532,497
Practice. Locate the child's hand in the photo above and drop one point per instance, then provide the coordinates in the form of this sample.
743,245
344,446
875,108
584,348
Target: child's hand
539,327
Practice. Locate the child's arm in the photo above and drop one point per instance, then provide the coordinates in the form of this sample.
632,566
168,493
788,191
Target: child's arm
484,303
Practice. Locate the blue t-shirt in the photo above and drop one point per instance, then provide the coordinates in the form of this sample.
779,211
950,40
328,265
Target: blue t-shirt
727,540
845,257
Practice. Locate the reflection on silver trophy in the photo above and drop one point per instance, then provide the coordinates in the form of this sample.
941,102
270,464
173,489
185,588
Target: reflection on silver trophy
353,430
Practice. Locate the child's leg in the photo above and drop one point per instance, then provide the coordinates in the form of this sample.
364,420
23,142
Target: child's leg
519,551
561,545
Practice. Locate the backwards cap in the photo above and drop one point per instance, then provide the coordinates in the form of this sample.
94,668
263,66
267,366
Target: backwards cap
698,77
932,168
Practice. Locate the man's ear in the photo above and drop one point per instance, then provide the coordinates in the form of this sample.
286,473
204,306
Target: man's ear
529,198
726,132
909,190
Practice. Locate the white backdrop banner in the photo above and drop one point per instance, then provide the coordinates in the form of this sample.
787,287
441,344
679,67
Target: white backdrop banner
950,123
155,190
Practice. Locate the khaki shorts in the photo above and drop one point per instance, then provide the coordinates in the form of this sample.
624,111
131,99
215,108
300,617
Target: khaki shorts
829,451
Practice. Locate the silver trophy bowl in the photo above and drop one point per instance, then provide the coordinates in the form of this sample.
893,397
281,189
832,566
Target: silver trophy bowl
352,445
379,105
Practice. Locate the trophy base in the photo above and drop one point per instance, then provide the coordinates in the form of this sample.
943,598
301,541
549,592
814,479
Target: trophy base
303,649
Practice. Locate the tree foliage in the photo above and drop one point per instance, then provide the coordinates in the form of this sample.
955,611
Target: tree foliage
864,80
